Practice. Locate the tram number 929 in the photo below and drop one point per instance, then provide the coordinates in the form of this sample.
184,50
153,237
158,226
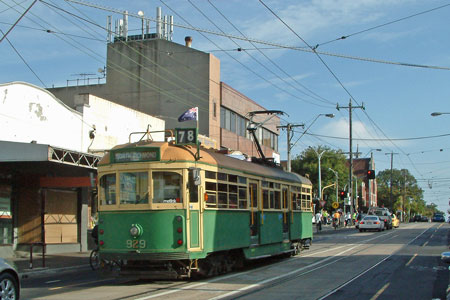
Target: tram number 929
136,244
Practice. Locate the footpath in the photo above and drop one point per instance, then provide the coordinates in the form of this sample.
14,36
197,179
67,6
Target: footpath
52,263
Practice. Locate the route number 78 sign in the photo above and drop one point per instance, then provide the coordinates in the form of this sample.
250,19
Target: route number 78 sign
186,136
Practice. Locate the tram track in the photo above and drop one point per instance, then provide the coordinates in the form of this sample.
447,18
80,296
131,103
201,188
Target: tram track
338,253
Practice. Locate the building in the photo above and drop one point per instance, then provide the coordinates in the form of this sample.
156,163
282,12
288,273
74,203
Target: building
368,188
48,163
153,75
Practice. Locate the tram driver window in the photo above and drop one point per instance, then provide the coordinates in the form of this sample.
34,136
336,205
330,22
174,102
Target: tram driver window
167,187
133,187
108,189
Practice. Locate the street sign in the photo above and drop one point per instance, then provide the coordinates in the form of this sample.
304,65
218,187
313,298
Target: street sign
335,205
186,136
322,203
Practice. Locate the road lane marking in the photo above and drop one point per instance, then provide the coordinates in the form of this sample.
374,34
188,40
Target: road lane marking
410,261
426,243
53,281
78,284
380,291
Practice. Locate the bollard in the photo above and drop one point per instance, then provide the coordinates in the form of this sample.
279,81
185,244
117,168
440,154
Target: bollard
31,254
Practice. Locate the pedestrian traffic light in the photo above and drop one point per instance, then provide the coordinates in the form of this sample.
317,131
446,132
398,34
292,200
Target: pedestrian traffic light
342,195
370,174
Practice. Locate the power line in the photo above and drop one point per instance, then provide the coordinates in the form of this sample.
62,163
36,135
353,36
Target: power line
23,59
382,25
388,139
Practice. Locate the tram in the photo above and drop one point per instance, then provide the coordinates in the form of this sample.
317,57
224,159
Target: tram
175,211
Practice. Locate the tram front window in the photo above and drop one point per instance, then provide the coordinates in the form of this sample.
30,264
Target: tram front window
133,188
108,189
167,187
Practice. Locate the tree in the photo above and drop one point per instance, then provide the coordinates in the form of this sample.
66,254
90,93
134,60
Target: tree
407,196
307,164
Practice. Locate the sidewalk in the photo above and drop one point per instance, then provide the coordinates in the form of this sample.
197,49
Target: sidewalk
53,263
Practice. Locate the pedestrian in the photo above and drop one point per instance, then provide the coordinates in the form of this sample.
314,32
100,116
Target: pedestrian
319,221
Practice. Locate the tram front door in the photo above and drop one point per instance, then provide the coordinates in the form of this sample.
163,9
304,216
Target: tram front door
254,213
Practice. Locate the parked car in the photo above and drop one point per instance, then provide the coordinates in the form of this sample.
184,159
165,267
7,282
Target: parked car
371,222
395,221
424,219
358,219
9,281
416,218
438,218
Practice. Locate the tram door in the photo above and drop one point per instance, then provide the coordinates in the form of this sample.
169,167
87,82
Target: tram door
195,216
285,208
253,194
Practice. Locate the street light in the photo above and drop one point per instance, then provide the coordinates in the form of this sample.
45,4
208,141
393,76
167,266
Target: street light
319,156
435,114
315,119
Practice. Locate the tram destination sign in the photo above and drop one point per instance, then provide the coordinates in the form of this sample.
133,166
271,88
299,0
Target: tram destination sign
186,136
135,155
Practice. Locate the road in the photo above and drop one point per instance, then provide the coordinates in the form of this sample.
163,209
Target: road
402,263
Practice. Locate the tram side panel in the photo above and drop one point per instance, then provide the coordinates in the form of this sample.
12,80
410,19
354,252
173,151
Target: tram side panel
225,229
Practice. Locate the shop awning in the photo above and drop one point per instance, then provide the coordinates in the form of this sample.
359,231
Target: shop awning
32,152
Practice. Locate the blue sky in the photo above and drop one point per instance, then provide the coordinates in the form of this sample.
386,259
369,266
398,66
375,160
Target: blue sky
398,98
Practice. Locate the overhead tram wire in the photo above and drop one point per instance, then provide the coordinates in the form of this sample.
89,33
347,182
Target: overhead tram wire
381,25
235,59
23,59
332,73
259,62
271,60
267,43
387,139
124,72
142,66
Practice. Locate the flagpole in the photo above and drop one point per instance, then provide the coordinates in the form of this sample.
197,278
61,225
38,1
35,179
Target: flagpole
198,143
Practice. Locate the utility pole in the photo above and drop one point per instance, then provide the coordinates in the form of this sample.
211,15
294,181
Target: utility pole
350,186
392,163
404,194
288,128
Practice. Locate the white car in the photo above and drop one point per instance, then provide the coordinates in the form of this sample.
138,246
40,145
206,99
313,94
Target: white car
371,222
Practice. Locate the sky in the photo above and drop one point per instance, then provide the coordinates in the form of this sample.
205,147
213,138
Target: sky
393,60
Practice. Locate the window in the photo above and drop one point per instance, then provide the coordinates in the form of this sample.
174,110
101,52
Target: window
233,122
108,189
5,215
230,192
133,187
222,117
167,187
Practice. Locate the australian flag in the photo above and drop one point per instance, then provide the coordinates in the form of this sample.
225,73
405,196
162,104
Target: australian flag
190,114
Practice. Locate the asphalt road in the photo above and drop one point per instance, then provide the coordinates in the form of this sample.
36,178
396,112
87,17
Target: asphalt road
402,263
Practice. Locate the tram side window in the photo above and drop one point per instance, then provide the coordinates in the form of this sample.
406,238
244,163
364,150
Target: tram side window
108,189
243,203
133,187
167,187
211,191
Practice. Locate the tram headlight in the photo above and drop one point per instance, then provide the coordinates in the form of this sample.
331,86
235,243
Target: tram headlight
136,230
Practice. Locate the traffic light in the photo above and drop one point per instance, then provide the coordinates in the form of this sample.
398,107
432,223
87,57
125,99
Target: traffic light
342,195
370,174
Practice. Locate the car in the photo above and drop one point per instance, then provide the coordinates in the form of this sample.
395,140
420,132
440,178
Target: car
424,219
438,218
395,221
358,219
385,216
371,222
416,218
9,281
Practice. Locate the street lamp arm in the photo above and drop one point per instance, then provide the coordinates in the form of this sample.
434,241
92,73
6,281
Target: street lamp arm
315,119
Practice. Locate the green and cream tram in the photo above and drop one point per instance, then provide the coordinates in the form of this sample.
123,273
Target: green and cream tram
164,212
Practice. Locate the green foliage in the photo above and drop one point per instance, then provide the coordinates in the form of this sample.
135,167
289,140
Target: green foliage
307,164
406,194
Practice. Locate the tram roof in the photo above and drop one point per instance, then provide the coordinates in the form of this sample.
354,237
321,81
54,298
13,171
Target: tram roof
173,153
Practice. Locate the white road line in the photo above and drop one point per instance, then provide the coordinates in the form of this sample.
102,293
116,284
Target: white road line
410,261
52,281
